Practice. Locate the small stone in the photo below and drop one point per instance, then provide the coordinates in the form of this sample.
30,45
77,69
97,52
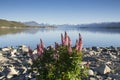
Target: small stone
6,49
92,78
90,72
12,72
97,49
13,52
108,63
35,51
109,78
25,49
30,61
91,53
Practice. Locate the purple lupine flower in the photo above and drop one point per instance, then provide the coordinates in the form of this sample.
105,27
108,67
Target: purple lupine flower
62,39
42,44
69,41
56,45
69,46
66,39
78,44
39,50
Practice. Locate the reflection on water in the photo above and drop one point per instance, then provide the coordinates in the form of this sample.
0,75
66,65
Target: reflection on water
9,31
96,37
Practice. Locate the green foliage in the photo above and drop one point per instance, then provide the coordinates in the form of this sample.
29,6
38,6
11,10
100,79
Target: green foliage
58,64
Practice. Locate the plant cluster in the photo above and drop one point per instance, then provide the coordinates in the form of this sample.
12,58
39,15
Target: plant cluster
61,62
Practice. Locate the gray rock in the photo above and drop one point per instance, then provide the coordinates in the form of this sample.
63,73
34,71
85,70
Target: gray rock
1,76
99,77
12,72
109,78
97,49
114,76
6,49
23,48
92,78
3,59
112,56
91,53
13,52
103,69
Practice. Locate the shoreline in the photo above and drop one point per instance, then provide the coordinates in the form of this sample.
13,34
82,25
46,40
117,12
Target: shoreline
103,63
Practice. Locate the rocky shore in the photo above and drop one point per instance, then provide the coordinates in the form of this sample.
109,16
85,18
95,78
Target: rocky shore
103,62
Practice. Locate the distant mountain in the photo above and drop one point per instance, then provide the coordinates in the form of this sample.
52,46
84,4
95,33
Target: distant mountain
33,23
6,23
107,25
101,25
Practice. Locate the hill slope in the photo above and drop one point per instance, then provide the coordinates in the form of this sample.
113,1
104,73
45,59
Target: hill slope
6,23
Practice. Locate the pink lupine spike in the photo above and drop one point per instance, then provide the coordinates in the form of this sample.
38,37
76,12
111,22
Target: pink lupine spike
39,50
80,48
76,45
56,45
80,45
66,39
69,41
42,44
65,33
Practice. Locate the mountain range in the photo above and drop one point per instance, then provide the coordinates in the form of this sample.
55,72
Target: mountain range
6,23
33,23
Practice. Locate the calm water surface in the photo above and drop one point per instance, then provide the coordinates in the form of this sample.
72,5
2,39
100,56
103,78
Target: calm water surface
49,36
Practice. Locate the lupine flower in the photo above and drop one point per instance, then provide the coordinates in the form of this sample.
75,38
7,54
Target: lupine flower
64,39
78,44
69,46
31,53
69,41
40,48
56,45
42,44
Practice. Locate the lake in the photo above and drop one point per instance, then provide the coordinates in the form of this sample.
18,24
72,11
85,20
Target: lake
31,37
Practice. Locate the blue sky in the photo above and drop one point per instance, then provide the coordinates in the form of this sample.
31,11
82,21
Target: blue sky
61,11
